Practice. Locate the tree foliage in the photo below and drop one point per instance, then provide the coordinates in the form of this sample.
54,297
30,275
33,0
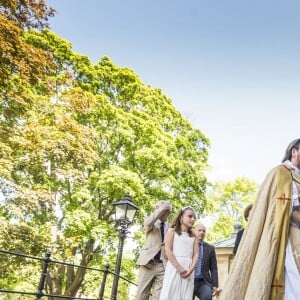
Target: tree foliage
227,203
20,61
90,134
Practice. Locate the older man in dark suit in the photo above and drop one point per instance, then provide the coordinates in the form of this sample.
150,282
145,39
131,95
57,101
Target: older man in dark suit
152,257
206,271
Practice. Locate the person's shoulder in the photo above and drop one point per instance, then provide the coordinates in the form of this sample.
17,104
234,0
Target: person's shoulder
281,168
171,230
240,232
208,245
280,172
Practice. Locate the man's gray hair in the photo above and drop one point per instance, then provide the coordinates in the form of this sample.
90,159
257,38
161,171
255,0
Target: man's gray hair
160,202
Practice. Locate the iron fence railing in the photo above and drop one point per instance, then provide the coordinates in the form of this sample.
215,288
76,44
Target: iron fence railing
46,261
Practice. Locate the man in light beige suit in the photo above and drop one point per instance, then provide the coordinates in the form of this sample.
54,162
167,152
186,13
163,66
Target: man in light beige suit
152,258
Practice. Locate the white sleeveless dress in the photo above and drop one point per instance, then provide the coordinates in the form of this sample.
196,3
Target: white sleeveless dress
174,286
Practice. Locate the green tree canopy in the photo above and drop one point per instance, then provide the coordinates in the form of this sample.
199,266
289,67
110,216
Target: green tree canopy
227,201
91,134
17,57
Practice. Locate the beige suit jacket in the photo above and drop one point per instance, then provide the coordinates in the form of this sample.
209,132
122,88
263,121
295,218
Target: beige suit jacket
153,238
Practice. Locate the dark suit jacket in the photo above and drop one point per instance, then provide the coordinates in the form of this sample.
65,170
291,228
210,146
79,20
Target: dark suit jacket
237,240
209,265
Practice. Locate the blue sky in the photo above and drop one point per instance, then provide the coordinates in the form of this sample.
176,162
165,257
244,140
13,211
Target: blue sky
231,67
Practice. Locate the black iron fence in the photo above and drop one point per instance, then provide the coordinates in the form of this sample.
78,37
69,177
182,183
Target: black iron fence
46,261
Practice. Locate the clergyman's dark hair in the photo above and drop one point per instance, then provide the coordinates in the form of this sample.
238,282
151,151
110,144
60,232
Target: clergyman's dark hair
247,211
288,152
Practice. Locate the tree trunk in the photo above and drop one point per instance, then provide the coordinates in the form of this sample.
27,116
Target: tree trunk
54,280
87,256
73,279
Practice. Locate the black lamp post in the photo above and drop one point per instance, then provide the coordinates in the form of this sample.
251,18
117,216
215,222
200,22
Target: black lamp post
125,211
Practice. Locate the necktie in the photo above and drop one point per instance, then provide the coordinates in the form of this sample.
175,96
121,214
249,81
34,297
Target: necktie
162,232
198,271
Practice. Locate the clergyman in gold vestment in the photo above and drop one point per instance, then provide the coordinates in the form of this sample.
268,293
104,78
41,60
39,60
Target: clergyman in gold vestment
267,263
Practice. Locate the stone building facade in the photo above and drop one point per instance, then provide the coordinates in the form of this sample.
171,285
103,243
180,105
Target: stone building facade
224,253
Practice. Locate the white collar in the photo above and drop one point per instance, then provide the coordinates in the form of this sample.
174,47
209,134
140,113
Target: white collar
293,167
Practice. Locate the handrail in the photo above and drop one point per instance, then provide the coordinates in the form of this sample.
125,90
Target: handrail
46,261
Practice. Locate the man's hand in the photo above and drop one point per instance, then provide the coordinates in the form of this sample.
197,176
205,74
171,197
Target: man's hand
166,206
166,210
216,291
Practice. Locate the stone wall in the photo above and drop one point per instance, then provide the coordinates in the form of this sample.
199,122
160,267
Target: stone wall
224,259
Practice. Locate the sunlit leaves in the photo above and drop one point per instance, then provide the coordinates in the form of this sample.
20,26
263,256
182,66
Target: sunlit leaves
228,201
17,57
89,135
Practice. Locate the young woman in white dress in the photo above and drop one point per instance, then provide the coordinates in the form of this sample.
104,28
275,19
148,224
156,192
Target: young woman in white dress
182,252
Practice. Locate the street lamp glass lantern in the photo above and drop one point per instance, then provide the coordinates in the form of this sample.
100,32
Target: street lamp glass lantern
125,210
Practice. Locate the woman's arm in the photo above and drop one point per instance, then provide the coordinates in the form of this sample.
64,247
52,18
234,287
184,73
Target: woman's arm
195,257
169,252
